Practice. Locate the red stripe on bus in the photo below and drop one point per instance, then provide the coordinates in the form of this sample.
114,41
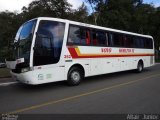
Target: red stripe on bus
73,52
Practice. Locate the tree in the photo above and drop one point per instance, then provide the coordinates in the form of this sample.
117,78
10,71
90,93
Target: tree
80,14
47,8
9,23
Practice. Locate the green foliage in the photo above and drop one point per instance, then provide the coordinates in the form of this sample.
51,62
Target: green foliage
129,15
47,8
4,72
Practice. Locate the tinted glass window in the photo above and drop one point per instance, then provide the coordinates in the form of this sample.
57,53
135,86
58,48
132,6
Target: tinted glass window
117,39
148,43
48,43
74,35
23,40
82,36
85,36
78,36
100,38
138,42
18,33
27,30
128,41
94,37
110,40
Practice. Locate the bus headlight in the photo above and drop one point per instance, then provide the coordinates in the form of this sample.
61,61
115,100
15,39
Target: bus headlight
25,70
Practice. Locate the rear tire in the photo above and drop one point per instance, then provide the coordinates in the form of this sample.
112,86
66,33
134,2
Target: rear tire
75,76
140,67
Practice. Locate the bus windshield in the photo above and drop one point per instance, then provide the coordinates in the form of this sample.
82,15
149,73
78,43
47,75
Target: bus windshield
23,40
48,43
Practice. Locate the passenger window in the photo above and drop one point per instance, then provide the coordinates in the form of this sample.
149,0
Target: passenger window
107,39
99,38
110,41
85,37
79,36
94,37
148,43
127,41
117,40
138,42
74,35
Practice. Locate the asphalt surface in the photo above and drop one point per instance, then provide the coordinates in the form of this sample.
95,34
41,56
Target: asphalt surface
6,80
116,93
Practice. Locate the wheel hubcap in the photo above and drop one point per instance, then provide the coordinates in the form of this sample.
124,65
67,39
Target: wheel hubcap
75,76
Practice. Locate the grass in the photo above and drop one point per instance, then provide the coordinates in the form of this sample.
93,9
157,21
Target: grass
4,72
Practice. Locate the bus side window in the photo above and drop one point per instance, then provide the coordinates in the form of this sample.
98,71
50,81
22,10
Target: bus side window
130,41
101,38
85,37
74,35
122,40
94,38
148,43
126,41
88,39
138,42
118,40
107,36
110,41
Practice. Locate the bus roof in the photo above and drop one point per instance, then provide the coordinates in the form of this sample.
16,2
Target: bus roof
93,26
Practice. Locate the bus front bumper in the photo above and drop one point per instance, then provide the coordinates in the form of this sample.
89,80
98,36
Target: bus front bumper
25,78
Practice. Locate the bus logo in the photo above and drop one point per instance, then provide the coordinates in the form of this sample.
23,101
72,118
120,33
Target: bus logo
40,76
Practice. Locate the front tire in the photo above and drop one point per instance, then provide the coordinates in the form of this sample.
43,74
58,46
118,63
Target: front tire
74,76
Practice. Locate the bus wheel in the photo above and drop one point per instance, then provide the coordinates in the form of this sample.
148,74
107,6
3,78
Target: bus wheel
140,67
74,76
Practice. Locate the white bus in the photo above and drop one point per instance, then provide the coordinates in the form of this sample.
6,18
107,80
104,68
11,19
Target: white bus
52,49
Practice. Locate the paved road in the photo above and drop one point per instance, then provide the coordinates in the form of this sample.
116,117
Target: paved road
6,80
123,92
